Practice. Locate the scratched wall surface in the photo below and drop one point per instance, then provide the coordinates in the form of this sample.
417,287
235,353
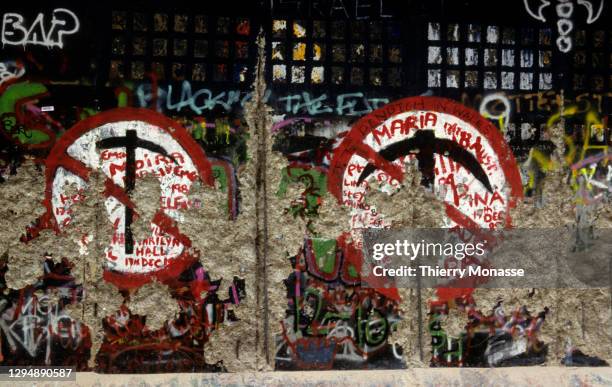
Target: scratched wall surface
184,187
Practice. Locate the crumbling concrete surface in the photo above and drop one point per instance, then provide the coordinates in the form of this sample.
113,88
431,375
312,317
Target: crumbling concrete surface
257,246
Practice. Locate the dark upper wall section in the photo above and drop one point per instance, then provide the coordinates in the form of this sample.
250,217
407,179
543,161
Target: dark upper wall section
327,57
378,44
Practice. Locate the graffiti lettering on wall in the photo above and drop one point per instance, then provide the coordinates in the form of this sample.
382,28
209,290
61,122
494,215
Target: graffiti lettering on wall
467,163
130,346
331,321
358,9
587,133
128,144
461,155
36,329
456,149
350,104
188,99
489,340
42,32
542,102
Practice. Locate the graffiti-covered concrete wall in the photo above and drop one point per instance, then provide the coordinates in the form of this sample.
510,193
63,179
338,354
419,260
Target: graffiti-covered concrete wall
185,186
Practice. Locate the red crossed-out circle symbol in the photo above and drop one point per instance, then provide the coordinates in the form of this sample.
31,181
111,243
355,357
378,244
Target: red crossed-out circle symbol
456,147
126,145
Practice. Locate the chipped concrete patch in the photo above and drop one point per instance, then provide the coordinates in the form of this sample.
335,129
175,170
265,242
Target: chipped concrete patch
411,205
101,299
226,249
267,169
21,195
333,218
154,301
410,332
286,236
147,194
558,209
25,262
256,247
578,317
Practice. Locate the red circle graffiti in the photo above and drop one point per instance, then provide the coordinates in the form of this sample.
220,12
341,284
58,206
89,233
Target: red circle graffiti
353,143
59,157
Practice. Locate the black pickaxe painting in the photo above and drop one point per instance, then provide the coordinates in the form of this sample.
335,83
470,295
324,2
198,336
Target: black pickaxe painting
424,144
130,142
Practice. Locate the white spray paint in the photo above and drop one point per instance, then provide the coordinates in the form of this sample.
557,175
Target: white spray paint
16,33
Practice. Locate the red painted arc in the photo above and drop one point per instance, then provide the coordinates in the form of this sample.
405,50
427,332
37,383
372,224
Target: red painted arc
353,143
58,157
19,116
